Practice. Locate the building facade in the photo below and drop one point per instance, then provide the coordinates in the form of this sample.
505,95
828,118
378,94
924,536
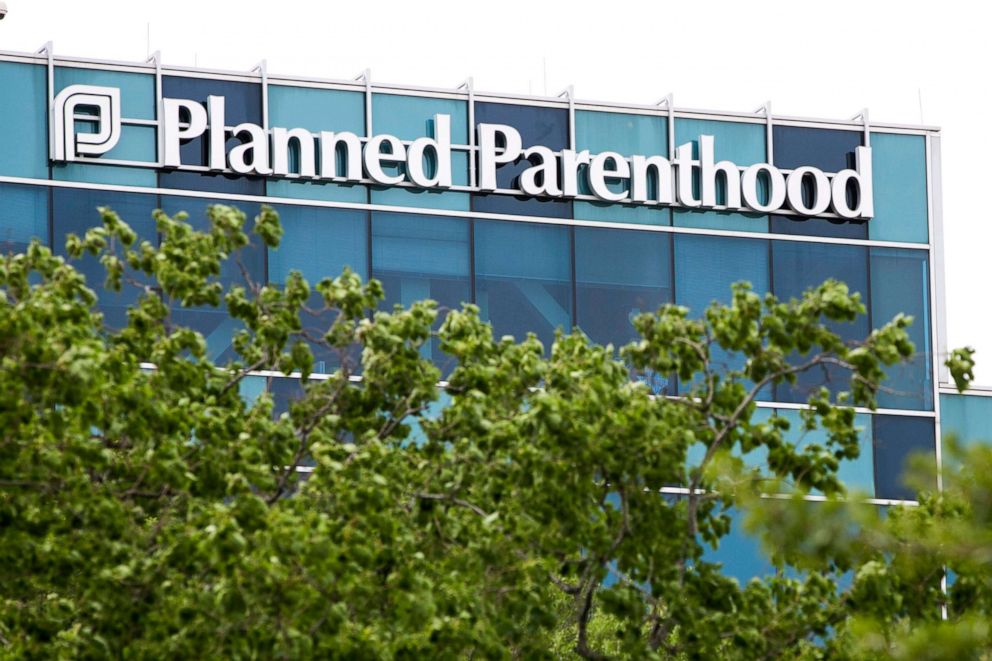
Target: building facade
571,230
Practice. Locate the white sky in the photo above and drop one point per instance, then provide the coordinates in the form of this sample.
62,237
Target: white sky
906,61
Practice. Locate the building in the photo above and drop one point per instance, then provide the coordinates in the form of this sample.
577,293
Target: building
619,208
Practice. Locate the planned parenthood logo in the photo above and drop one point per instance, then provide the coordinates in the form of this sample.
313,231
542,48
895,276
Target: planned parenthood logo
99,106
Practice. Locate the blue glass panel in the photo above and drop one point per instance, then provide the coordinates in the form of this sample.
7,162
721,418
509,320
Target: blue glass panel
523,278
320,243
797,267
412,117
75,211
803,226
706,267
23,216
740,553
968,417
646,135
856,474
317,110
619,274
214,323
827,149
537,126
243,103
897,438
23,120
744,144
622,213
900,283
420,257
899,173
830,150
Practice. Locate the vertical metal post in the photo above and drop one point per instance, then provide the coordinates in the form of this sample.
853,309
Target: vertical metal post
263,70
156,59
366,77
668,102
766,109
469,87
47,49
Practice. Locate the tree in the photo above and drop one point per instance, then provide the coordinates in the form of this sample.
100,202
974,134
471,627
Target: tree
147,509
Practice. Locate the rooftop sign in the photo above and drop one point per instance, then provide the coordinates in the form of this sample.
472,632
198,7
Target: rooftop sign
687,179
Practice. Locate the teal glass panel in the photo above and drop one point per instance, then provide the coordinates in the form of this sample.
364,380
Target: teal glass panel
900,283
23,120
899,176
317,109
308,190
402,196
744,144
23,216
137,89
137,143
250,388
645,135
412,117
721,220
968,417
622,213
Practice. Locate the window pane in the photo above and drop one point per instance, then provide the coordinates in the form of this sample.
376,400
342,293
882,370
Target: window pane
214,322
646,135
899,173
897,438
23,216
320,243
827,149
900,283
317,110
968,417
744,144
75,211
619,274
412,117
523,278
23,123
856,474
797,267
830,150
420,257
706,267
537,126
622,213
137,143
243,104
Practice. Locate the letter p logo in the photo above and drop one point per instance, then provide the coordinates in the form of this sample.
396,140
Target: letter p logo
105,101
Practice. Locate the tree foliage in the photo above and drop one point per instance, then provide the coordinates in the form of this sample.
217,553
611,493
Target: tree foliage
148,509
